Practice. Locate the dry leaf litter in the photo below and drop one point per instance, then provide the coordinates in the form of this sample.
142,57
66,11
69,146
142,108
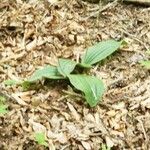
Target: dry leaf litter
34,33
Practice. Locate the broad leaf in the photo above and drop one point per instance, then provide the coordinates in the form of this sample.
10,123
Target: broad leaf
46,72
99,51
65,66
145,64
92,87
40,138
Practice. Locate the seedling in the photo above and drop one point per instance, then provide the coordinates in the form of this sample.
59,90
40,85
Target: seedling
92,87
146,63
40,138
3,107
104,147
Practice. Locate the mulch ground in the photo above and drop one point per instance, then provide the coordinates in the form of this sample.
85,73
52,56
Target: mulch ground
34,33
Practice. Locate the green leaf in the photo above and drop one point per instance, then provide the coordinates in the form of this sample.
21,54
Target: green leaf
124,43
104,147
145,64
26,85
3,109
84,65
46,72
65,66
11,82
40,138
99,51
92,87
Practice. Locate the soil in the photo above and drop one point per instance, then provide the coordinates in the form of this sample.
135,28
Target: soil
35,33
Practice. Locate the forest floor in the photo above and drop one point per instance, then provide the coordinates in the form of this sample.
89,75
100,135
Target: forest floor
34,33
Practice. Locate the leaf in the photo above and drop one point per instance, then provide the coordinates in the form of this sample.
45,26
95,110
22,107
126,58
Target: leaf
104,147
46,72
145,64
84,65
99,51
3,109
124,43
11,82
40,138
26,85
65,66
92,87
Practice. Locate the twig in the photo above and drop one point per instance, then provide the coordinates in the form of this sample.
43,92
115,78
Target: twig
140,2
136,39
111,4
142,126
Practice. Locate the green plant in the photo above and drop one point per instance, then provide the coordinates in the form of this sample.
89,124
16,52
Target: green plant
40,138
146,63
104,147
3,107
92,87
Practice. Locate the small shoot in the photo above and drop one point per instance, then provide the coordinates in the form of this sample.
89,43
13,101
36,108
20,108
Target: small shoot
145,63
104,147
40,138
3,109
